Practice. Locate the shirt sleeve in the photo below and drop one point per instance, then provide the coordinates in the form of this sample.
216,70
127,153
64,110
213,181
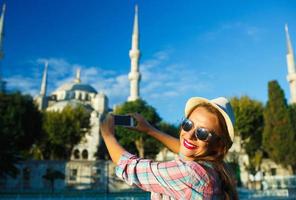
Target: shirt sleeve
172,178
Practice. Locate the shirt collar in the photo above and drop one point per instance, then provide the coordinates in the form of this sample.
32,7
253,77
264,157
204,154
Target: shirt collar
202,162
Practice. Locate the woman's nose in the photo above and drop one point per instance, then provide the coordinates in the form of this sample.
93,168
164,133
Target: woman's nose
191,134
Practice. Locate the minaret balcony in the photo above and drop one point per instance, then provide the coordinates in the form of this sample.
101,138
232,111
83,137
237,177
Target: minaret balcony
291,77
134,76
134,53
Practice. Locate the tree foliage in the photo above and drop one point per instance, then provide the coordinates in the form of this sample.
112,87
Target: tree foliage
292,111
249,122
168,128
137,142
20,127
62,130
278,137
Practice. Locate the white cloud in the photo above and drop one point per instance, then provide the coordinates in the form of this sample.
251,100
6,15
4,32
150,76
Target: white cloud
23,84
252,31
235,27
59,66
162,80
116,88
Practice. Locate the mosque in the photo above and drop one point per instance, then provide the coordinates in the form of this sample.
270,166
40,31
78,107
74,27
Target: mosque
77,93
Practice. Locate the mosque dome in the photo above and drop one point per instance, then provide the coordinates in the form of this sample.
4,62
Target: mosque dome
74,90
73,86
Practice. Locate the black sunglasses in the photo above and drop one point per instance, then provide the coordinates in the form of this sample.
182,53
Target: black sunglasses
200,133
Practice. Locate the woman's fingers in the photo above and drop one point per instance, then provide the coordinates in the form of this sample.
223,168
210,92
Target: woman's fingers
107,126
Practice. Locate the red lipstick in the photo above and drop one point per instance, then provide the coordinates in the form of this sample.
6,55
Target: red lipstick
188,145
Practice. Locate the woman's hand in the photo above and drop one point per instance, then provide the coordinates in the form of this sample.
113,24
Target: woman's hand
107,126
107,130
142,124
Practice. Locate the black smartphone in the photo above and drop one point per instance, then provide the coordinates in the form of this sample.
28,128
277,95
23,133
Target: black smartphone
124,120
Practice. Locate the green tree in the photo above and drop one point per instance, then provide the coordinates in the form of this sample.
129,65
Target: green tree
249,126
134,141
20,127
62,130
292,111
168,128
249,122
278,136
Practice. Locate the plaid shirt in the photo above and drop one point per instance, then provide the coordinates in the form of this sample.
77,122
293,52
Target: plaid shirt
178,179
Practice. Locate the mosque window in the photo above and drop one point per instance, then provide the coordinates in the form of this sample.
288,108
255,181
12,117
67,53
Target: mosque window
98,177
53,97
273,171
67,95
99,174
73,174
76,154
85,154
71,95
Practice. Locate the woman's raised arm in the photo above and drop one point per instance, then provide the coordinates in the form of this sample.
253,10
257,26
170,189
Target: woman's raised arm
169,141
107,131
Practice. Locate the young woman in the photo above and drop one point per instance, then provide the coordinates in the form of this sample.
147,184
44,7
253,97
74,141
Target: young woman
199,171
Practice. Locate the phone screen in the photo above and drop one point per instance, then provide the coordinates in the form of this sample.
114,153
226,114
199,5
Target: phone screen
123,120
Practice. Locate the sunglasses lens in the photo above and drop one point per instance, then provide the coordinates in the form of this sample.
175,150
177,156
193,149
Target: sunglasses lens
187,125
202,134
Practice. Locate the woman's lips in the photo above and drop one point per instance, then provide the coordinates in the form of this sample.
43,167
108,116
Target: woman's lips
188,145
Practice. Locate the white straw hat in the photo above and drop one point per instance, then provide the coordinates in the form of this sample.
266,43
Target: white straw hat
221,104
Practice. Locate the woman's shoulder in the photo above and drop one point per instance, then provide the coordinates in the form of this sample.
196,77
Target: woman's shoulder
201,169
202,176
195,167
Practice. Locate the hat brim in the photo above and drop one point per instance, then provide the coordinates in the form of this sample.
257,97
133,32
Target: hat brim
193,102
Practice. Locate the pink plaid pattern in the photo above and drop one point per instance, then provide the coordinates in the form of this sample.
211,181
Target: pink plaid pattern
177,179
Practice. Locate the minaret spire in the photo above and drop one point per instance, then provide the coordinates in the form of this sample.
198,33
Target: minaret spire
135,42
77,79
291,77
44,80
134,75
41,99
2,29
2,82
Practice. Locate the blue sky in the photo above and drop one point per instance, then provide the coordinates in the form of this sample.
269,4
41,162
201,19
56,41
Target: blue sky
189,48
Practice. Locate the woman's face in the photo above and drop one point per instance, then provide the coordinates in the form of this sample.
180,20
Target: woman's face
190,146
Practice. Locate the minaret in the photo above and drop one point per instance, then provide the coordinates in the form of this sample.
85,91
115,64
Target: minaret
77,79
44,81
134,76
2,82
42,99
291,77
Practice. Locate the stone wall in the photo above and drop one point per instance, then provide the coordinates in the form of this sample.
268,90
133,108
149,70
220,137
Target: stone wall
79,175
